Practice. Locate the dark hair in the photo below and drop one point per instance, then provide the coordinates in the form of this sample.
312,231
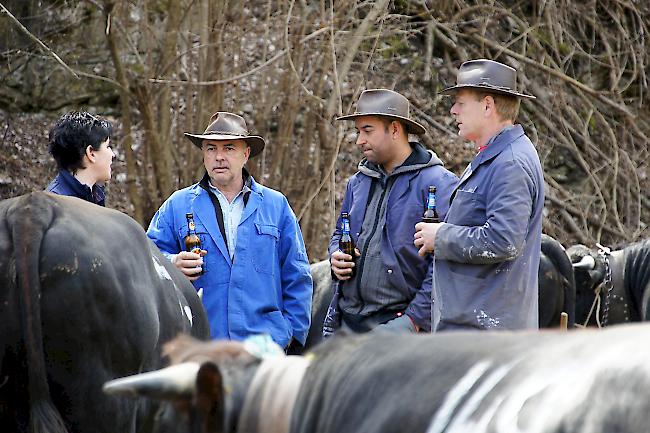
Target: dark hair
72,134
388,120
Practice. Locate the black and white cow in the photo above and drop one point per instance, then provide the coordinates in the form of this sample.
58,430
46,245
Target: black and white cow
613,285
457,382
84,297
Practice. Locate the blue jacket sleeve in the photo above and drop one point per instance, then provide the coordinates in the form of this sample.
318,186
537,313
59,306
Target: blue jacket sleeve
297,285
420,307
508,206
419,310
162,232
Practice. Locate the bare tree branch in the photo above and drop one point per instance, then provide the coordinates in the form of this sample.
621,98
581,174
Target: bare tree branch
244,74
37,40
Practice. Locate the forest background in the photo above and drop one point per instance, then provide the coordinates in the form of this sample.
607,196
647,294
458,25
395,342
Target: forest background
158,68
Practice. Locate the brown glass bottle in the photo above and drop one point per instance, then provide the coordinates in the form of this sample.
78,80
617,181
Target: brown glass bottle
192,240
431,213
346,244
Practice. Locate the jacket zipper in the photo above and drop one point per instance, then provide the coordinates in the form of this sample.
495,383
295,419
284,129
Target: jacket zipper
362,259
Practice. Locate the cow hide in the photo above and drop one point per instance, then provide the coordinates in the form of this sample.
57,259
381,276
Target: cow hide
84,297
481,382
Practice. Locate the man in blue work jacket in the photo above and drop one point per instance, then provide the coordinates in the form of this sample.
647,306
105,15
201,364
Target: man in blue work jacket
256,277
487,249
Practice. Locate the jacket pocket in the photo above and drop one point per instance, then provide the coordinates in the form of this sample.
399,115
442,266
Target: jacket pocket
401,221
467,209
461,299
265,247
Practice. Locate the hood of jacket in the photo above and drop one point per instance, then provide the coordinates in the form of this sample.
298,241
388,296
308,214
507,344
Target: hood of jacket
418,159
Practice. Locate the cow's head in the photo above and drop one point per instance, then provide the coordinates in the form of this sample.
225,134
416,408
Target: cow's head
221,386
203,393
588,266
589,272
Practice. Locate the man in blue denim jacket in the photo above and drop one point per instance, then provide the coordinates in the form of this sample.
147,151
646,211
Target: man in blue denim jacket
488,247
391,285
256,278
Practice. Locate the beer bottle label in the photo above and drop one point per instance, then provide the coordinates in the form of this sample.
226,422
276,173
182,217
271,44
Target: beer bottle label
431,202
191,226
346,226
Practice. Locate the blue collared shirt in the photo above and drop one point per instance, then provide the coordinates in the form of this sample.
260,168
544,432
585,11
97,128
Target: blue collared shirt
232,213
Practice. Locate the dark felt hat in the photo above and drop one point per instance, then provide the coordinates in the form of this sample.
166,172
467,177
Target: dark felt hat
228,126
487,75
387,103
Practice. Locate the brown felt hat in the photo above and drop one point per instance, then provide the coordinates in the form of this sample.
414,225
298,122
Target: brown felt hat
386,103
228,126
487,75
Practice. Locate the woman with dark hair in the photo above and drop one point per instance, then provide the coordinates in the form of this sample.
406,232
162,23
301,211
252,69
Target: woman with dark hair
80,145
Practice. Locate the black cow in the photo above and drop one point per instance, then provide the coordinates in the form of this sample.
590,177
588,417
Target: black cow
457,382
323,291
84,297
556,289
556,284
613,285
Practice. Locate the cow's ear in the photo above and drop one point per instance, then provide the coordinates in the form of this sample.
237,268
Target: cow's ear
210,397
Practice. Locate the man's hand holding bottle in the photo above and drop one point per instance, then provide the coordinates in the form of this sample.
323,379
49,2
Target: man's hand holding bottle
343,264
190,263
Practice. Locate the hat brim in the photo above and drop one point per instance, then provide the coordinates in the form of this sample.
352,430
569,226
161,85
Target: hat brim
454,89
255,142
412,127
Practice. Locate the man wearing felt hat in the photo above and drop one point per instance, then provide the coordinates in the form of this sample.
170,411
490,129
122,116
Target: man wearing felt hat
487,249
256,277
390,288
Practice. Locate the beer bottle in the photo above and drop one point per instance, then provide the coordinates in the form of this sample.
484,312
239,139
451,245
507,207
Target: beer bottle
346,244
192,241
431,214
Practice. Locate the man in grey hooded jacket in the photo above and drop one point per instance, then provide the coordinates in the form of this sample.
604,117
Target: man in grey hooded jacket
391,284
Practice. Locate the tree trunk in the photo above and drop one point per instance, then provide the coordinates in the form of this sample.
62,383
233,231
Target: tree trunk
125,106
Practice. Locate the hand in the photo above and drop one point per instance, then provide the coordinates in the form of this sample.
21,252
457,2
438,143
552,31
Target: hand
342,264
425,236
189,263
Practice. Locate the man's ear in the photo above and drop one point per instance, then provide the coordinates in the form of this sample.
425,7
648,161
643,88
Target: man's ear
489,105
395,127
247,153
90,154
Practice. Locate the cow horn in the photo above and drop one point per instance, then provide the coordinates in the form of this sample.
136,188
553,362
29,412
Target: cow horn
587,262
165,384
